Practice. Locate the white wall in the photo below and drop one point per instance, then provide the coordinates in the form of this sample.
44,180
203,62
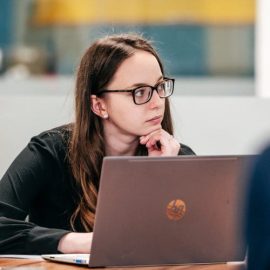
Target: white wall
210,125
222,125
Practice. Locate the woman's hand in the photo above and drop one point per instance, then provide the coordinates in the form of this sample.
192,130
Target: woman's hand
160,143
75,243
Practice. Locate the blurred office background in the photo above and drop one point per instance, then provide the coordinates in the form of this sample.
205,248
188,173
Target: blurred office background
209,46
202,39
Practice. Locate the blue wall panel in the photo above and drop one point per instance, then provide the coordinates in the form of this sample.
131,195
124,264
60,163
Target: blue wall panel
6,8
182,48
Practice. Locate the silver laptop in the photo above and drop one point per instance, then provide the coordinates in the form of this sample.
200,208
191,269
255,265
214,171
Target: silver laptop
166,211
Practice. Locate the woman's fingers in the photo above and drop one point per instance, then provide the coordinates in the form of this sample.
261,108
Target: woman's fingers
160,143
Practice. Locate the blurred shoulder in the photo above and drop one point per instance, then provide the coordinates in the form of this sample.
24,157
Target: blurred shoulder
266,152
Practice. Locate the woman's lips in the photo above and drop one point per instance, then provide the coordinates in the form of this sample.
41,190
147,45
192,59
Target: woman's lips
155,120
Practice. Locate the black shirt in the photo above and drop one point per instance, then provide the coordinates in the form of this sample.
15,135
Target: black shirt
39,184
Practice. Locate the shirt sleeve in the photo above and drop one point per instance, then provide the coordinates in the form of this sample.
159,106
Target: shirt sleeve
19,189
185,150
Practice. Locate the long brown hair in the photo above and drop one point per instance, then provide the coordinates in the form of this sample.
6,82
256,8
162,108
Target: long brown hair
86,147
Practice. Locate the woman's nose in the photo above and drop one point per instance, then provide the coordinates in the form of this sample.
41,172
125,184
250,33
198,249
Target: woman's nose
155,100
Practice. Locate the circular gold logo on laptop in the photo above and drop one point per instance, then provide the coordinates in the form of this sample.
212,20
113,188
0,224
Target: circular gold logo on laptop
176,209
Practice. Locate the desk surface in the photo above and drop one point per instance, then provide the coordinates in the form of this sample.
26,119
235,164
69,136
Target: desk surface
41,264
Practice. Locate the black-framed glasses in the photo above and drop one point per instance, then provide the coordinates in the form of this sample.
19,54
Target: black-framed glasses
143,94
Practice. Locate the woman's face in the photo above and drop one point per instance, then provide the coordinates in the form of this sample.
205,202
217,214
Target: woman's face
125,116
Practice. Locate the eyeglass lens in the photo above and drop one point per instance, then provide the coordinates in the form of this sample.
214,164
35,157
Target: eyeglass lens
143,94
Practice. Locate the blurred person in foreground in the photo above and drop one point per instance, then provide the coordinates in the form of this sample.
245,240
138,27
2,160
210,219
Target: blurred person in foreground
258,214
121,109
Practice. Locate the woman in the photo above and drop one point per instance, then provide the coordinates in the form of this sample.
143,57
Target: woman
122,108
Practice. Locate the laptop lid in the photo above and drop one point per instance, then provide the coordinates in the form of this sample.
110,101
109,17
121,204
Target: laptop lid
169,210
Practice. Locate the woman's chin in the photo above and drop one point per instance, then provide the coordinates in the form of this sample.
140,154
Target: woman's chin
150,130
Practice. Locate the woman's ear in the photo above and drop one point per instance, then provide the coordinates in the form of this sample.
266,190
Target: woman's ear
98,107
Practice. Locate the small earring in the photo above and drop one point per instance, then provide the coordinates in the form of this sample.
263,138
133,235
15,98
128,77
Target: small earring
105,116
